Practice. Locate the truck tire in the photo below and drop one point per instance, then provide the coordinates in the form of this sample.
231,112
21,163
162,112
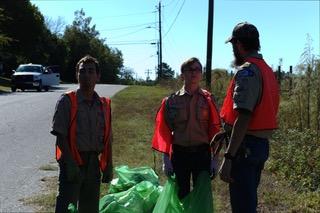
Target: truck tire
39,87
13,89
46,88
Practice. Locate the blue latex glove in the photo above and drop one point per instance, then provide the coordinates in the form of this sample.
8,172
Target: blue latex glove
167,165
213,167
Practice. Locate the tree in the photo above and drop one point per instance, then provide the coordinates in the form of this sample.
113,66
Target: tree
167,71
126,75
24,34
82,39
57,26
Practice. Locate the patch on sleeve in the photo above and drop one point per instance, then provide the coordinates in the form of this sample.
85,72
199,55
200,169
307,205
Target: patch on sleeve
245,73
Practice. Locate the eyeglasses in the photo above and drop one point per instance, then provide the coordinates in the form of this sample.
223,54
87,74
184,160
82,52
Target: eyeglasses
193,69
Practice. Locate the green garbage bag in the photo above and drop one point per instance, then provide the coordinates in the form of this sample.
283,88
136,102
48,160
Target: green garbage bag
72,208
129,177
140,198
168,201
198,200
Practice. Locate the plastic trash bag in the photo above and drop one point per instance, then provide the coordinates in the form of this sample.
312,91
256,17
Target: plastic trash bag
140,198
198,200
72,208
129,177
168,201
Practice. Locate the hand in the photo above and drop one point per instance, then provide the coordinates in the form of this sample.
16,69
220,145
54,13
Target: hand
167,165
218,138
213,167
217,142
72,171
107,175
225,171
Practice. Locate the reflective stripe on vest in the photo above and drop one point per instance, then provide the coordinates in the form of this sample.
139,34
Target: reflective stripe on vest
72,138
264,116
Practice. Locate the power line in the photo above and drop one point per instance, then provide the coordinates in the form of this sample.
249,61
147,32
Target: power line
132,42
129,14
175,19
127,27
130,33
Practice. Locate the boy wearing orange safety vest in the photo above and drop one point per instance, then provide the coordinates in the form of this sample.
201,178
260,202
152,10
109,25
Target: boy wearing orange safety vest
82,124
185,124
249,113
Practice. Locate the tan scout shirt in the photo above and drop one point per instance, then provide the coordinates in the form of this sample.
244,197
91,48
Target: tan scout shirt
247,92
188,117
90,121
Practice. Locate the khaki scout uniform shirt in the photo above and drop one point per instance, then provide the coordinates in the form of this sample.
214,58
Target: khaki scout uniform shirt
247,92
90,121
188,117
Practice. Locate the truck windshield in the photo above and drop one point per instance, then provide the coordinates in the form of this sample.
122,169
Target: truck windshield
29,69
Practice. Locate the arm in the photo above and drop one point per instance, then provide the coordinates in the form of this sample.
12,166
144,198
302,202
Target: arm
62,143
238,131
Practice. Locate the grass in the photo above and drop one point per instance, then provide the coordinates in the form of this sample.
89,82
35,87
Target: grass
133,111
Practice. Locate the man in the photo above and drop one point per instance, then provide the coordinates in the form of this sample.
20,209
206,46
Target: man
249,114
185,124
82,124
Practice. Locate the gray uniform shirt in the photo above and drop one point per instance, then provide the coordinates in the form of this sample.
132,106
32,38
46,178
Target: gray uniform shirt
90,121
248,91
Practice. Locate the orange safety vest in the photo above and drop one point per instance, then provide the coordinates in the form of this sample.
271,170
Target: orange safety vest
106,106
162,137
264,115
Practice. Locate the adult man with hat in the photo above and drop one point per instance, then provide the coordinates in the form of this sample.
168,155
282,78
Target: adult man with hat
249,114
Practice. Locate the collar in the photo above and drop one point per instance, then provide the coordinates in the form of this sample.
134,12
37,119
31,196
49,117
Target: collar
80,97
254,55
183,91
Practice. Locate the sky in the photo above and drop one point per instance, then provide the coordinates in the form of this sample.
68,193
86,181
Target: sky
132,26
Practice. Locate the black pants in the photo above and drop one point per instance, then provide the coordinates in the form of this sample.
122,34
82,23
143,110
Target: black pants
84,193
187,162
246,172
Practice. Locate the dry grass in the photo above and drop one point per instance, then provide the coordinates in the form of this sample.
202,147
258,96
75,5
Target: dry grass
134,111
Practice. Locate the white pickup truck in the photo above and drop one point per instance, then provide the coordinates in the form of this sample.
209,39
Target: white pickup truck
29,76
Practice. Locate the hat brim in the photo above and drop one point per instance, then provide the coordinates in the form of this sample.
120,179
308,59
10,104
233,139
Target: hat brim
228,40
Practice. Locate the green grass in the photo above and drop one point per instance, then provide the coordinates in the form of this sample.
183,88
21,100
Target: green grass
45,201
133,111
5,84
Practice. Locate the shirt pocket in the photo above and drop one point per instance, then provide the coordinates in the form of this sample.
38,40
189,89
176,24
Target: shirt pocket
100,126
203,115
83,123
181,115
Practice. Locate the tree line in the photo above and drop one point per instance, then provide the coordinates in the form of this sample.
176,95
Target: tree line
25,37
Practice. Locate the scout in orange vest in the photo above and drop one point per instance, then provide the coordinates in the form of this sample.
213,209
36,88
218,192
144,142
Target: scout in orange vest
249,113
82,124
185,124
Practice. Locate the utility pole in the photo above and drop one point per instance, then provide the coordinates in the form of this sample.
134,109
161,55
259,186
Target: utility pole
209,44
160,44
148,74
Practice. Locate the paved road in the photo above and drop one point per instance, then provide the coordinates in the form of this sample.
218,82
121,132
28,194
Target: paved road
26,144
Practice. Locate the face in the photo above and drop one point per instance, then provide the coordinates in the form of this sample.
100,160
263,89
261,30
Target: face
87,75
192,75
238,59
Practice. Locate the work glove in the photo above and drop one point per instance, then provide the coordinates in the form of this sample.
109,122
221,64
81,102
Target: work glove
72,171
213,167
167,165
107,175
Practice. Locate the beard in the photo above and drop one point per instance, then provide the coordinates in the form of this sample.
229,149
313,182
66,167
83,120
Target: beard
238,59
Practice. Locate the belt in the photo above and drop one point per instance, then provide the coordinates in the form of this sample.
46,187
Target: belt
198,148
